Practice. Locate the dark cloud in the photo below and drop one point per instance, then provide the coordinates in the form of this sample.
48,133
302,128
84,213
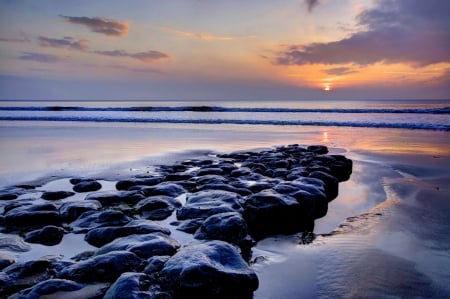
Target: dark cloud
416,32
100,25
311,4
66,42
337,71
144,56
39,57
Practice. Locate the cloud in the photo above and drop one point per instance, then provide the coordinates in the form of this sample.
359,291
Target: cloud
100,25
22,38
311,4
415,32
39,57
66,42
148,56
203,36
338,71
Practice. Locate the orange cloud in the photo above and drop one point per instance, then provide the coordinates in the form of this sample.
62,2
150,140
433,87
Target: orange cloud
66,42
203,36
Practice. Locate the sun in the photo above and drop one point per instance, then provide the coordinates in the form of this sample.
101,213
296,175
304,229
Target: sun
327,87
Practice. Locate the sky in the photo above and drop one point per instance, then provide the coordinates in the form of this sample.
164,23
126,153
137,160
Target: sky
219,50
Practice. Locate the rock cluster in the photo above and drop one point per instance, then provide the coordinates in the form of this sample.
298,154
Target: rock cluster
227,203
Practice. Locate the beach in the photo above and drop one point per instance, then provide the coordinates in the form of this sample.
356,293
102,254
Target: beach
383,233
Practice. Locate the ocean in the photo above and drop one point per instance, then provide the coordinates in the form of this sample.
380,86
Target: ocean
384,236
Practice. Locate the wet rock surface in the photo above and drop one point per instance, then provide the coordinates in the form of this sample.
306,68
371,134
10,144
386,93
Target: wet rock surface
219,208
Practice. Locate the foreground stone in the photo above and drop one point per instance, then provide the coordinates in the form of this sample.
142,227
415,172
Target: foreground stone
213,269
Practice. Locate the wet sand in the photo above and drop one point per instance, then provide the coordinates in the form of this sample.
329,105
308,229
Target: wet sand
385,235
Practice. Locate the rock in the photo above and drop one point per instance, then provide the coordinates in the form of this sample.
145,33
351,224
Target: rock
229,227
48,235
175,177
210,170
270,213
21,275
103,235
156,207
331,183
87,186
70,211
164,188
13,243
213,269
191,225
127,184
130,286
341,168
144,246
8,195
6,260
48,287
210,179
32,215
109,198
225,187
56,195
95,219
241,172
156,264
102,268
206,203
318,149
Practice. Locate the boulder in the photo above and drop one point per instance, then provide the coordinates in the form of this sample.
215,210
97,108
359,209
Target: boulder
49,235
270,213
102,268
13,243
155,207
213,269
103,235
144,246
95,219
130,286
56,195
229,227
87,186
206,203
225,187
109,198
6,260
164,188
156,264
70,211
127,184
318,149
32,215
331,183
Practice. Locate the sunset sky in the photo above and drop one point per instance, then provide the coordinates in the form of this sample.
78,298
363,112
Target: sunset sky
199,49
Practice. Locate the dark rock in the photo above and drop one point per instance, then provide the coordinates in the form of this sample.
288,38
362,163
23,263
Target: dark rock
70,211
144,246
126,184
164,188
178,176
190,226
225,187
48,235
32,215
269,213
155,208
318,149
331,183
21,275
130,286
210,179
48,287
109,198
213,269
243,171
95,219
229,227
102,268
87,186
156,264
103,235
6,260
341,168
206,203
8,195
209,171
56,195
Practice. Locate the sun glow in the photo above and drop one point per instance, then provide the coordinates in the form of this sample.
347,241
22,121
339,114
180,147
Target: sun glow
327,87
